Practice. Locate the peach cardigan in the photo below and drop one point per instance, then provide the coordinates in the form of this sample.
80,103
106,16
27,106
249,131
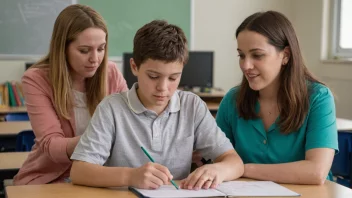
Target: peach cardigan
48,161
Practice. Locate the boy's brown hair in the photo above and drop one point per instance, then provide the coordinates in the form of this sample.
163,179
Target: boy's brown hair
159,40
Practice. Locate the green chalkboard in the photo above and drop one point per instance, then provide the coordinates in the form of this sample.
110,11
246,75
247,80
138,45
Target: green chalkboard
125,17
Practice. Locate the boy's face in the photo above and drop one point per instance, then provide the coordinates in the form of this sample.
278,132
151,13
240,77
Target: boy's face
157,82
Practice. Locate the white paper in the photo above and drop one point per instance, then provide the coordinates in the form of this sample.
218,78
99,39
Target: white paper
170,191
254,188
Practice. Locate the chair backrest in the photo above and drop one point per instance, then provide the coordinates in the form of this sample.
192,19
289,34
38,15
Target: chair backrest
25,141
341,165
16,117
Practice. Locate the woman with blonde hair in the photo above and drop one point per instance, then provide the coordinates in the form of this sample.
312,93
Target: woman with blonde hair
62,91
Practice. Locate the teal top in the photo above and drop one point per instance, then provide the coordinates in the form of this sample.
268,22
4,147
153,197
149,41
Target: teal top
255,145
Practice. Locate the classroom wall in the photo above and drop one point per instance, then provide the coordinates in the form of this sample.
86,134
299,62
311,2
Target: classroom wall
312,26
215,27
215,23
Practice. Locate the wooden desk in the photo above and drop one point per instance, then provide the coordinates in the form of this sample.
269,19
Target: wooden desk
344,124
10,163
12,160
212,94
213,106
212,100
13,128
6,110
328,190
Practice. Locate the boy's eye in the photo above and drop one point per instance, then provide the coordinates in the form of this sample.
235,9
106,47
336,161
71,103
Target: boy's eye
153,77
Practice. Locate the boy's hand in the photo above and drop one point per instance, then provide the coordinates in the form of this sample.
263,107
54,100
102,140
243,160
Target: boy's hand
207,176
149,176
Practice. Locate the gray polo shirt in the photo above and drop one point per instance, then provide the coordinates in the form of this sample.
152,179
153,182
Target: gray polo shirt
121,125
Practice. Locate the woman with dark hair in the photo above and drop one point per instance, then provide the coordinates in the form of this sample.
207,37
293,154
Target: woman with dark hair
280,119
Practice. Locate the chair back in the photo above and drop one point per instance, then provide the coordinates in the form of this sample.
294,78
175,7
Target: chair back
16,117
25,141
342,164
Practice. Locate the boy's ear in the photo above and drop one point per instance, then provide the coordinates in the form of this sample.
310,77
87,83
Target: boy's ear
134,67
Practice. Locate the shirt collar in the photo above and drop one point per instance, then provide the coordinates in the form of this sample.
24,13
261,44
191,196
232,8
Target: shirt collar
137,107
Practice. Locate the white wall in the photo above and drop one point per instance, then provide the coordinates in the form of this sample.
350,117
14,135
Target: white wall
312,29
215,27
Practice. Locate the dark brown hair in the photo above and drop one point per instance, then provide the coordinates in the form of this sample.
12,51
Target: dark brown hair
159,40
294,76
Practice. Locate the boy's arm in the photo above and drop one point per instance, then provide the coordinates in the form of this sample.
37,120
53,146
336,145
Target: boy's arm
213,144
93,150
226,167
88,174
230,164
148,176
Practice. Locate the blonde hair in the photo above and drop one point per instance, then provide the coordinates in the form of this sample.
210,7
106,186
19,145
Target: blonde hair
71,21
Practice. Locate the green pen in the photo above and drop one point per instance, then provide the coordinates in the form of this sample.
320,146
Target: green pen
151,159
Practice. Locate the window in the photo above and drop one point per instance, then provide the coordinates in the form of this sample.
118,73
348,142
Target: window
342,29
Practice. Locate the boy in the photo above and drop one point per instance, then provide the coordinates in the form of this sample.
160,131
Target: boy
170,124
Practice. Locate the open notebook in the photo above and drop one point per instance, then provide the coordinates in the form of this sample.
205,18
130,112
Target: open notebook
226,189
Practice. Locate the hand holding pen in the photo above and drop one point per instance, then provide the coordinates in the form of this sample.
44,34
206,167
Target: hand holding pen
149,176
152,160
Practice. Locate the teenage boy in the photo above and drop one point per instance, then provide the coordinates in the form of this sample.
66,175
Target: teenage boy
168,123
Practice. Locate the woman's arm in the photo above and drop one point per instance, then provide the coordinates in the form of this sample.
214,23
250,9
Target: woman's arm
71,145
313,170
116,81
51,138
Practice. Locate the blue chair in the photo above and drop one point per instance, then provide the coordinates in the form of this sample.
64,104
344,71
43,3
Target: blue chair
17,117
25,141
342,164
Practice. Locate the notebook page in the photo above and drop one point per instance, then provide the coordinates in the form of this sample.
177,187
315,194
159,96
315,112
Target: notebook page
254,188
170,191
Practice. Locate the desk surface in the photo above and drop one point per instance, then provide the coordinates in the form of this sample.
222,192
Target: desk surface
12,160
344,124
328,190
212,94
5,110
13,128
213,106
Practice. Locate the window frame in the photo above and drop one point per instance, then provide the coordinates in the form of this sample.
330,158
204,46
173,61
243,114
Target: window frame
337,51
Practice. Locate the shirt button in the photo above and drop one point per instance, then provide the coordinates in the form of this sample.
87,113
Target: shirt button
264,141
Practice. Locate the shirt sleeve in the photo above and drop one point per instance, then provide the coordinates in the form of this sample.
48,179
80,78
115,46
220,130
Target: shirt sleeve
224,115
45,122
211,142
116,81
96,142
321,127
